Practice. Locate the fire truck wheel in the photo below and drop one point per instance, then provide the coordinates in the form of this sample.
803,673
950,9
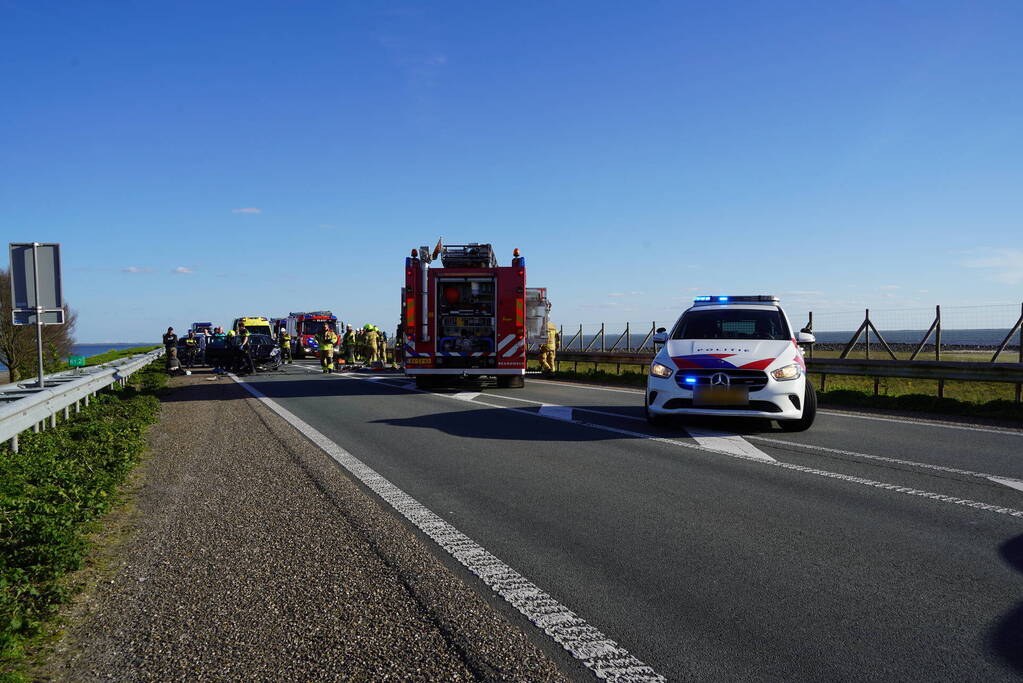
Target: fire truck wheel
511,381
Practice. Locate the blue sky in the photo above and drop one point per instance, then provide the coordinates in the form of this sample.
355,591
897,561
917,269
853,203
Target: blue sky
202,160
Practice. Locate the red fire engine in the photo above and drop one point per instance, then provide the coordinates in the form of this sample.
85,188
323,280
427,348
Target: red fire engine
466,318
303,328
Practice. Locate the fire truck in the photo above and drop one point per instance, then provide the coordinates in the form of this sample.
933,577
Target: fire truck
303,328
467,316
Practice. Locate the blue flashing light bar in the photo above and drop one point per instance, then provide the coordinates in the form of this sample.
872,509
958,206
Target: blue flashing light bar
757,298
690,380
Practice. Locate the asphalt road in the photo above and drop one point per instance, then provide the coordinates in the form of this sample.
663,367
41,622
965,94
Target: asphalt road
863,549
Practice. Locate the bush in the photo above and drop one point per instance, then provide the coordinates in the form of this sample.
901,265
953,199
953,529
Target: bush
60,481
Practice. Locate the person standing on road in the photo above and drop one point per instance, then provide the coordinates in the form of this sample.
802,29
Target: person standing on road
371,345
383,346
548,349
191,348
348,344
326,340
170,343
284,339
242,361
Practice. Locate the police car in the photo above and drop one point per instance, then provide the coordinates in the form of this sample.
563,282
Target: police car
732,356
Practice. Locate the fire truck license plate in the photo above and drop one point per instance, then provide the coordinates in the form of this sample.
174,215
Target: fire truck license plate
707,397
418,361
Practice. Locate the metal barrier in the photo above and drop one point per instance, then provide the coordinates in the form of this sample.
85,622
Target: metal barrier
24,407
1009,373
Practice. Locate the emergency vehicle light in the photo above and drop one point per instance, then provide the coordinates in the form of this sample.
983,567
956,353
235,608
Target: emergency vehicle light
732,299
690,380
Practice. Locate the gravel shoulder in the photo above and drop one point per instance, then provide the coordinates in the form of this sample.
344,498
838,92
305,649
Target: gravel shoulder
246,554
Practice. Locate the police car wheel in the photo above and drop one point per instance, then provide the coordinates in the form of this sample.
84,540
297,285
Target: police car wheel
809,412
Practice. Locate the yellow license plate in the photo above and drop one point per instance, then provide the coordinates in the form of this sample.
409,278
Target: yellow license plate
708,397
418,361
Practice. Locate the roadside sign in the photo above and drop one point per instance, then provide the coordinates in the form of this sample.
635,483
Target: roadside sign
76,361
36,265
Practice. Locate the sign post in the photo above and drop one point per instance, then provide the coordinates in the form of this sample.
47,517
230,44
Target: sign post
36,296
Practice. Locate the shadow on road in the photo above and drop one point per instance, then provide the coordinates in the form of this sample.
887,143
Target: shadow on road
1006,637
499,423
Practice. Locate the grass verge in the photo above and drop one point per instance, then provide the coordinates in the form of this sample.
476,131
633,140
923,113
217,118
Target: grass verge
51,493
114,354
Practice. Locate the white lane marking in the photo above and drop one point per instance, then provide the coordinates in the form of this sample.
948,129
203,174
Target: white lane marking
557,412
712,439
465,395
722,441
922,423
606,658
1007,481
905,490
1011,483
576,385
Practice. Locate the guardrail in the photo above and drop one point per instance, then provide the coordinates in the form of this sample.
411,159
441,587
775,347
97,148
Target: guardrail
1009,373
24,406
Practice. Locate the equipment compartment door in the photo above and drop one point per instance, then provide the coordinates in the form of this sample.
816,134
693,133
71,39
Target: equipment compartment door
466,315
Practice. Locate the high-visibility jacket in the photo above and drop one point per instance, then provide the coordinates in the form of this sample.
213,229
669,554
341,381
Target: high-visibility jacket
552,337
285,340
326,340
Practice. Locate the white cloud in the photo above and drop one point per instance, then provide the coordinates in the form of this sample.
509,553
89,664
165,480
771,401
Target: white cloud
136,269
181,270
617,294
1004,265
249,210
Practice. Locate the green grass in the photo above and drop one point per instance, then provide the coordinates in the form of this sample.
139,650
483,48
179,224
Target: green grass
114,354
51,494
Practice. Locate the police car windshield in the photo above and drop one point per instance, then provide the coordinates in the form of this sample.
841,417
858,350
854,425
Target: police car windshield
731,323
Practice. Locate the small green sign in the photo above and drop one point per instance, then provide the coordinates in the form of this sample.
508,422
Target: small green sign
76,361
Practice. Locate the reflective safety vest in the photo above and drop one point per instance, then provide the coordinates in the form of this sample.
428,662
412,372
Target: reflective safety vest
285,340
552,337
326,340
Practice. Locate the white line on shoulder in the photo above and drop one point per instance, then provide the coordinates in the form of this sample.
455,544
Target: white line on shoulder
605,657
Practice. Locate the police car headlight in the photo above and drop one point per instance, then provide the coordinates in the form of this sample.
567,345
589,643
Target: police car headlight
786,372
660,370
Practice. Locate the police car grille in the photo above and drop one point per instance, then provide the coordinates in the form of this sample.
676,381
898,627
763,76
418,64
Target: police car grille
754,380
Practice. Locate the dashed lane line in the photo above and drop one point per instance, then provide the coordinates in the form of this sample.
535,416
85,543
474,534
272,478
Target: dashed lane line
808,470
836,413
905,490
1005,481
606,658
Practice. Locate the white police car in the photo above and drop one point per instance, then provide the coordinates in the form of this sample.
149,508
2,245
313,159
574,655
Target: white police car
733,356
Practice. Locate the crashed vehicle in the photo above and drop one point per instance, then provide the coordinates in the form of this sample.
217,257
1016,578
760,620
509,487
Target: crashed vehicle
264,354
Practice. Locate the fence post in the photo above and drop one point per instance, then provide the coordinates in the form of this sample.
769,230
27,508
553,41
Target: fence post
809,326
866,331
628,339
601,340
14,443
937,333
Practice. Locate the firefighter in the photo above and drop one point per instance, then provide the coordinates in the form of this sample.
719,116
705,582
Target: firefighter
382,346
372,339
170,343
326,340
349,345
284,339
548,349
